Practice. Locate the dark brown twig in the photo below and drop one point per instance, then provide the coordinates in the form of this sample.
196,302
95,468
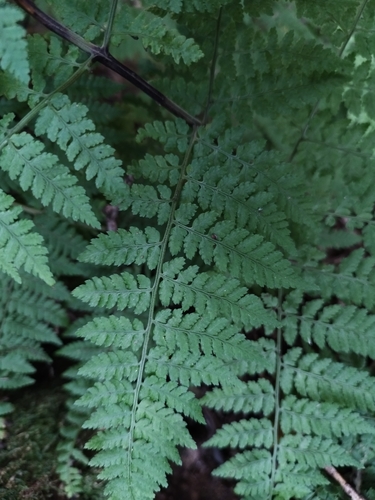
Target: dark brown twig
102,55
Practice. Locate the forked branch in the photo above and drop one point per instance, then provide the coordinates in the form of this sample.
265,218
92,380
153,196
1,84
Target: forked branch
102,55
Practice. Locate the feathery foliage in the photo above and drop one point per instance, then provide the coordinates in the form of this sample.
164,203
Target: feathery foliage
236,254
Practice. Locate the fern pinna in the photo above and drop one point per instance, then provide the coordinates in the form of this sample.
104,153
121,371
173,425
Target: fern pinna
242,257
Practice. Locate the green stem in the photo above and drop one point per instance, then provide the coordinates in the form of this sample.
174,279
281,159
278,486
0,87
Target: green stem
108,31
277,397
155,291
351,33
35,111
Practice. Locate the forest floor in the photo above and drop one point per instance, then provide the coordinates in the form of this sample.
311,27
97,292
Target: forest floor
28,455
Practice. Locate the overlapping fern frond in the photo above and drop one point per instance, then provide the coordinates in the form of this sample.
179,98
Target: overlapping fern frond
242,255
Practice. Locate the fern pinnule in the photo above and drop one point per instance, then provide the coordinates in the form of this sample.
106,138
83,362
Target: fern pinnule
13,48
20,247
24,159
124,247
67,124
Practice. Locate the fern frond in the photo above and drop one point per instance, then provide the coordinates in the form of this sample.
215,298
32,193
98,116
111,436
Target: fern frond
256,463
108,365
13,48
327,380
107,332
212,293
156,34
177,397
27,317
244,433
119,291
194,333
172,134
147,201
232,249
251,162
266,197
343,329
122,247
324,419
250,208
188,370
24,159
67,125
247,397
49,60
352,281
87,20
313,451
64,243
20,247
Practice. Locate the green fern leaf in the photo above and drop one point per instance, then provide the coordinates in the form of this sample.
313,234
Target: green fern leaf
336,326
27,320
67,125
119,291
252,204
156,34
212,293
299,481
110,332
193,332
111,364
232,249
353,281
322,419
313,451
64,243
49,59
13,48
160,168
324,379
96,395
244,433
174,135
87,20
37,300
24,159
19,246
146,201
123,247
253,397
176,397
253,210
255,463
188,370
